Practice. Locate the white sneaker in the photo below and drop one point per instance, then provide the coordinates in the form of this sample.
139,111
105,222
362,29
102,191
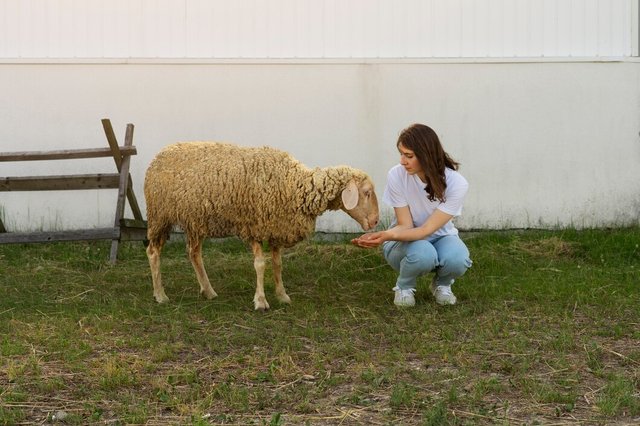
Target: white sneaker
443,294
404,297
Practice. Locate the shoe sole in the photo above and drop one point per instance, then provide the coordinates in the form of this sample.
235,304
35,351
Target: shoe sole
446,302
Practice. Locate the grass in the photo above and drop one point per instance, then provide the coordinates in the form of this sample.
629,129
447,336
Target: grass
546,331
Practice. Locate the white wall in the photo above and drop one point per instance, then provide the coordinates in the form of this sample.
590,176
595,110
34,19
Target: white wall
316,28
550,140
543,144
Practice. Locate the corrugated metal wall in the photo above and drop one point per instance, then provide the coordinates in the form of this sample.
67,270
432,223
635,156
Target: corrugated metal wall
316,28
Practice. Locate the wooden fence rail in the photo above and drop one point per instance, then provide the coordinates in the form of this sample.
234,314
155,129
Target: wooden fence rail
122,230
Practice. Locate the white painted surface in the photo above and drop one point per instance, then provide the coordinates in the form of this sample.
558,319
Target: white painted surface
543,144
317,28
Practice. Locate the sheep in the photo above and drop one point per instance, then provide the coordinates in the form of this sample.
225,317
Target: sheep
259,194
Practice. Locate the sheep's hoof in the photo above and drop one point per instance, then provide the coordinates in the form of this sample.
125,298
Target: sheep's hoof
283,298
161,297
208,294
261,304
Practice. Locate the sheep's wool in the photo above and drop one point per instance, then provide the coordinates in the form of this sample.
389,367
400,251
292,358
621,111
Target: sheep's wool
217,190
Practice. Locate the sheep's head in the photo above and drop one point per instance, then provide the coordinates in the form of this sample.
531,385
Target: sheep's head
360,202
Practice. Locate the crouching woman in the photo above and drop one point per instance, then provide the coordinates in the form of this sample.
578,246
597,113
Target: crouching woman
426,192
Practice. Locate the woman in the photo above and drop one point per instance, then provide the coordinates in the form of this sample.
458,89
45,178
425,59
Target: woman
426,193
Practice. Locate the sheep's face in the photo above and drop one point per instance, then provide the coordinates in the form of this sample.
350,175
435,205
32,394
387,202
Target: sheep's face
360,202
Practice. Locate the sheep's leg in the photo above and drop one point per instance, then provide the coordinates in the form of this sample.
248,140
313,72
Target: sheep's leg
276,256
195,255
259,300
153,254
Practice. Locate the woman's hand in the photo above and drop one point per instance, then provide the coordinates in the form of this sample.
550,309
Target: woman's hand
371,240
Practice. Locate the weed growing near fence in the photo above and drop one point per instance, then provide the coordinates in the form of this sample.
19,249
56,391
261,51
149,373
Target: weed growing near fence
546,330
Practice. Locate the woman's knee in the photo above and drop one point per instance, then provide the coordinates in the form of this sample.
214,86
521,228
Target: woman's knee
454,258
456,265
422,253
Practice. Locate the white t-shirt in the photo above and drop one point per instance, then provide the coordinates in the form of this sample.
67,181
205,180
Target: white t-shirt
404,189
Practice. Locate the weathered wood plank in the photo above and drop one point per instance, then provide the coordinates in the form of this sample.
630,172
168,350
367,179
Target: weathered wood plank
65,154
133,234
46,237
126,234
113,142
131,196
120,203
60,182
133,223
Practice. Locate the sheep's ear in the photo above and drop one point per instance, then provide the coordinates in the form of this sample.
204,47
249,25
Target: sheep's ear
350,195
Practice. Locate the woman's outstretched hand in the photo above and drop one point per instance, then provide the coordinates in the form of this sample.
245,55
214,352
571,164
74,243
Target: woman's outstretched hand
371,240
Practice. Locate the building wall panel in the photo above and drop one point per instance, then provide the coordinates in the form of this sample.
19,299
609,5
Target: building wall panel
316,28
529,136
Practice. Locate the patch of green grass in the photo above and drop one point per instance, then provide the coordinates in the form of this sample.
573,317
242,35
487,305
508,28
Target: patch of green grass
403,395
9,347
437,415
545,331
10,415
620,397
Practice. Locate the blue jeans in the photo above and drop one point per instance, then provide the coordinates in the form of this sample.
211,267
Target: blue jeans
447,255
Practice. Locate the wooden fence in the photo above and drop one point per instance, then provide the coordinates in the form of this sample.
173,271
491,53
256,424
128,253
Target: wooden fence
123,229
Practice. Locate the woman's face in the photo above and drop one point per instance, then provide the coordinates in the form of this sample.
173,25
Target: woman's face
409,161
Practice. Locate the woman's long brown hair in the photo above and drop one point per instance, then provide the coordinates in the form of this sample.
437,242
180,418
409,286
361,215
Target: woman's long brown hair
425,144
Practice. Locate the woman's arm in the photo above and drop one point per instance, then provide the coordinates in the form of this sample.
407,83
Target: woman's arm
436,221
404,230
